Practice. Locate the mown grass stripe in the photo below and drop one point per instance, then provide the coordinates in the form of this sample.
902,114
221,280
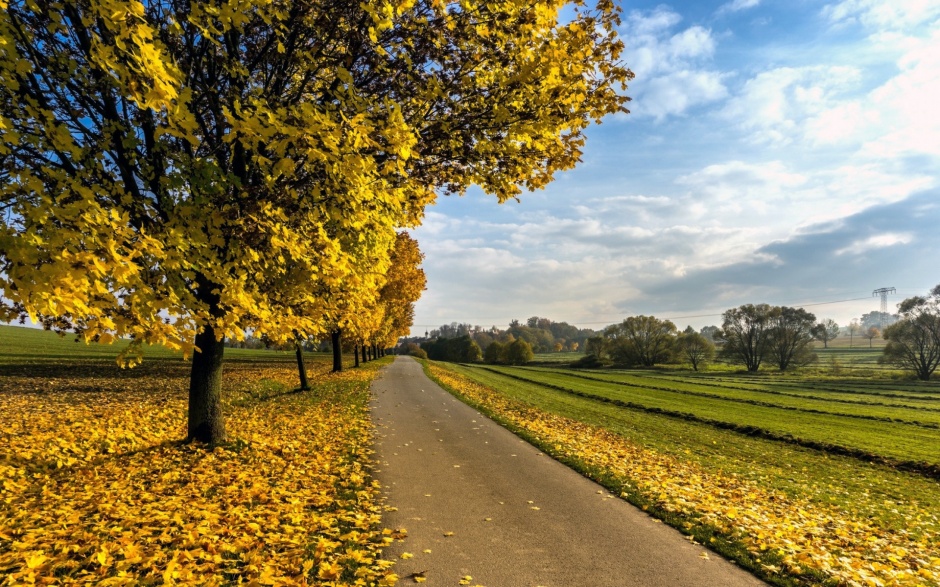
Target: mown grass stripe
582,375
877,388
763,404
763,384
929,470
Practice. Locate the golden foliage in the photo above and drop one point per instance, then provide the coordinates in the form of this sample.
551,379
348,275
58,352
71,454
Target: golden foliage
170,167
95,488
807,535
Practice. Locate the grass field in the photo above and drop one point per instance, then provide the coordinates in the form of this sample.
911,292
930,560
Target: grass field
836,452
20,344
96,487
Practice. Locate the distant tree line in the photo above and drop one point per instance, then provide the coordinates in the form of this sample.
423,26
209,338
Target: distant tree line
515,344
750,335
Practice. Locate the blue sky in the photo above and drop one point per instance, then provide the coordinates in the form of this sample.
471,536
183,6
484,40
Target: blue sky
785,152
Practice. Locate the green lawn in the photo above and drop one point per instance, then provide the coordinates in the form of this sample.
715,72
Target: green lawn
889,440
19,344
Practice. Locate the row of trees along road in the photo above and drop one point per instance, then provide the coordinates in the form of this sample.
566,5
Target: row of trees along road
180,172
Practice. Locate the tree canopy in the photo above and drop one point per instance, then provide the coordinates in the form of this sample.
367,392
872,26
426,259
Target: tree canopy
694,347
641,340
914,340
744,334
179,172
791,336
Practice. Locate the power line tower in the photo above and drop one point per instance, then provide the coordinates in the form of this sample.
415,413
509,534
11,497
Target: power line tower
883,292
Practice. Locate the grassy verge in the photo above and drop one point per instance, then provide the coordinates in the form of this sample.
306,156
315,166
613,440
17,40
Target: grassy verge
95,486
792,516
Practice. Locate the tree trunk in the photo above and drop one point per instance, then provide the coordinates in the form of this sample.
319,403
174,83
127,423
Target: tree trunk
302,369
356,354
364,359
206,423
336,338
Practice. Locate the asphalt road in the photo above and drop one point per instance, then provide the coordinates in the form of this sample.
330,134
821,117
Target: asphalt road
490,506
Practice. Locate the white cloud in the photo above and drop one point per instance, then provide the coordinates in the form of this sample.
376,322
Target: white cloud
671,67
773,106
839,124
654,22
878,241
881,14
907,104
676,92
737,6
737,186
820,106
692,43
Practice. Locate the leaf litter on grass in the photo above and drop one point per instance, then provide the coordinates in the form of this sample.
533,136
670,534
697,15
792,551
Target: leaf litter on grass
95,486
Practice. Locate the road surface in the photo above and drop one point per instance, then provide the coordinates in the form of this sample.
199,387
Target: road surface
479,502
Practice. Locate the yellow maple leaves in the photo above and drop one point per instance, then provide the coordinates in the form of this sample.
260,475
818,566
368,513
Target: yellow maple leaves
96,488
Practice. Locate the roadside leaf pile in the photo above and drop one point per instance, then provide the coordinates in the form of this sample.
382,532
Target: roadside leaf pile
786,535
96,488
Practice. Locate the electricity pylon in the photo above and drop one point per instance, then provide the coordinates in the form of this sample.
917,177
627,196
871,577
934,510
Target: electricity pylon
883,292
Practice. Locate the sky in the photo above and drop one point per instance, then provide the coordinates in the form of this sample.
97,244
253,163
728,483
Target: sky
781,152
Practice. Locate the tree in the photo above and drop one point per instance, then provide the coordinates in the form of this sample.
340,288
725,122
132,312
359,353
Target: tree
914,340
168,166
790,340
854,329
462,349
495,353
877,318
404,283
301,367
694,347
641,340
596,346
519,352
710,332
872,333
744,333
825,331
465,350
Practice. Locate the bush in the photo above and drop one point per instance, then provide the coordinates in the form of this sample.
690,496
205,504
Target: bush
590,362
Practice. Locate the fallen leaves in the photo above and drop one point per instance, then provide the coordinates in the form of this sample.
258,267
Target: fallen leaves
96,487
